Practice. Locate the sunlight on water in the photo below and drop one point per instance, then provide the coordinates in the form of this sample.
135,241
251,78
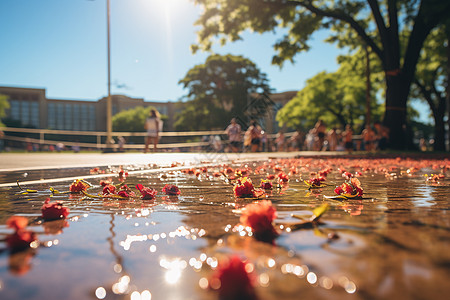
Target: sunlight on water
178,246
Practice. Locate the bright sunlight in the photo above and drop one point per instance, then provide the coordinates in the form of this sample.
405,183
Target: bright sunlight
170,5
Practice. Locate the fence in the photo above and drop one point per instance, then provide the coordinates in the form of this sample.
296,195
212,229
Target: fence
41,137
38,136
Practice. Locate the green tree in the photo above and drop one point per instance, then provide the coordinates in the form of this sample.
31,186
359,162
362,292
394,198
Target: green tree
332,97
338,98
377,23
432,76
320,99
4,105
219,90
131,120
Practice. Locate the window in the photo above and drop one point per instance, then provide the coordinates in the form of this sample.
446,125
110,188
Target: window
162,110
76,116
34,118
14,110
68,116
84,117
25,112
59,116
51,116
91,117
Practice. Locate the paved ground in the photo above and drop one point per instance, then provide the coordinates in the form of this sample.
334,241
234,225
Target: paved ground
52,160
33,161
50,167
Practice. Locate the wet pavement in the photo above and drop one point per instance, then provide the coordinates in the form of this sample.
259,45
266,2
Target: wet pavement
390,244
44,160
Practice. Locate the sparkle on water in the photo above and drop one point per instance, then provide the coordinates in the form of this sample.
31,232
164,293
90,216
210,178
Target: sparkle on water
392,243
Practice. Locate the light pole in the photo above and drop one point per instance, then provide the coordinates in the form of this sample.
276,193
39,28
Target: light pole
109,147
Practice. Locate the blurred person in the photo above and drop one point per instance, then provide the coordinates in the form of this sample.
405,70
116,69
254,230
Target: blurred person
382,136
264,141
29,145
423,145
121,142
280,141
254,132
320,130
216,143
431,144
348,138
152,125
296,141
309,140
368,137
332,139
60,147
234,135
76,148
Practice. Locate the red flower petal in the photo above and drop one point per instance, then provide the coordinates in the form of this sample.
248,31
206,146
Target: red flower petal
54,211
170,189
232,280
259,216
17,222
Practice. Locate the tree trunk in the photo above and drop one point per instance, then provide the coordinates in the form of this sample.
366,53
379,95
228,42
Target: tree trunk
447,87
399,79
439,130
395,114
368,89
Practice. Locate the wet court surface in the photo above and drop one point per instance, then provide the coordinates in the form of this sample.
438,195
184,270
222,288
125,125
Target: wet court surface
390,244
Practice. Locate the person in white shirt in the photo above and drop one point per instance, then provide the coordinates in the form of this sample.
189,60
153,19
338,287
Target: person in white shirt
152,125
234,134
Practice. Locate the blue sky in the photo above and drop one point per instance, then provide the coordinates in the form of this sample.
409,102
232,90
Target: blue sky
60,45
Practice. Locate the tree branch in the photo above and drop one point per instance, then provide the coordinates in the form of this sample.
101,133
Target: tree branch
338,114
381,25
426,94
394,40
419,33
439,96
339,15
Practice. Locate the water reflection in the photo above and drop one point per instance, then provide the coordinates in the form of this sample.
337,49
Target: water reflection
173,268
19,263
55,227
170,246
352,207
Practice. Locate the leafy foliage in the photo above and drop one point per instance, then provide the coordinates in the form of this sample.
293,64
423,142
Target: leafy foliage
375,23
218,90
432,76
131,120
4,105
337,98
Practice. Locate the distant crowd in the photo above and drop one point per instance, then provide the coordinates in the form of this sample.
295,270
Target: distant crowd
319,138
372,137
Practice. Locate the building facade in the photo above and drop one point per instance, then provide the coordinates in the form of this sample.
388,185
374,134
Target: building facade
29,107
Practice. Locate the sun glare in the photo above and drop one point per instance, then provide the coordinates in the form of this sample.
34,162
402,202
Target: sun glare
169,5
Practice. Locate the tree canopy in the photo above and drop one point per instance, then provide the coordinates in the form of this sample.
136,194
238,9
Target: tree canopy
131,120
432,78
219,90
338,98
4,105
377,23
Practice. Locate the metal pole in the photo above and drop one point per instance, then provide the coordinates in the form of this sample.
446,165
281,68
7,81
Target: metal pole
108,102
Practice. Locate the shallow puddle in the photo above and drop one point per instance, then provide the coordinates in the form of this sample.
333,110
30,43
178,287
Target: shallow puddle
391,244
